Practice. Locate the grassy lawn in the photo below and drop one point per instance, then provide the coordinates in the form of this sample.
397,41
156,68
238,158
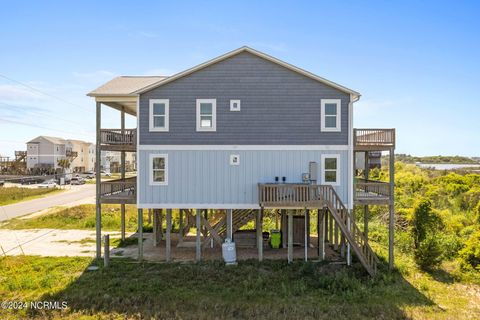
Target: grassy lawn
270,290
78,217
16,194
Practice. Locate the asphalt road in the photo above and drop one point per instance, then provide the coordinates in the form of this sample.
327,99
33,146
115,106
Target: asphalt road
73,196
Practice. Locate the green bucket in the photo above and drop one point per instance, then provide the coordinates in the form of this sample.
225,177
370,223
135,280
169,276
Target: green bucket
275,238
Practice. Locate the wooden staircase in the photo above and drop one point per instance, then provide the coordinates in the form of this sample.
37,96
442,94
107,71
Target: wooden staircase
315,197
349,229
239,219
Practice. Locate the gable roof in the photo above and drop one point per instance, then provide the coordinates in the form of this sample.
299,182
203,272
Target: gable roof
53,140
291,67
125,85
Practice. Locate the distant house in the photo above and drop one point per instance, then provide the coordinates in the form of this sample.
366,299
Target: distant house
239,134
44,152
111,161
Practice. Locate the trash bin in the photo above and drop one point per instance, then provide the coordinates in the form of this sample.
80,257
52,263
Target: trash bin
228,252
275,238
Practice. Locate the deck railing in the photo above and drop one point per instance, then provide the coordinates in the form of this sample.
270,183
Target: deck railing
374,137
114,187
116,137
287,195
373,187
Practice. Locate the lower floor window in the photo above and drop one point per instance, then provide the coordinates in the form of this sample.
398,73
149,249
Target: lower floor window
158,169
331,169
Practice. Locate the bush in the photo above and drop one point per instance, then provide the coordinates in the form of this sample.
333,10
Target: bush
470,254
427,251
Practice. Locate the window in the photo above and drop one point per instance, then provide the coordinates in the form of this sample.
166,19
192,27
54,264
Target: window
234,105
331,169
159,114
206,114
159,169
330,115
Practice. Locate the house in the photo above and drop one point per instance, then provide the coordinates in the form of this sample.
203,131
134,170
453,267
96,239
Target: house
85,159
237,135
44,152
111,161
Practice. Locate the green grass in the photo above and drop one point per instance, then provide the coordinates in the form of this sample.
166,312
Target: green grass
252,290
16,194
78,217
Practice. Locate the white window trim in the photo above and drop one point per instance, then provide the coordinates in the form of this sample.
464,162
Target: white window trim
232,103
214,115
167,115
337,156
338,127
150,166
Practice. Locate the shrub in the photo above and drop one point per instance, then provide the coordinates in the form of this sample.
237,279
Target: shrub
426,223
470,254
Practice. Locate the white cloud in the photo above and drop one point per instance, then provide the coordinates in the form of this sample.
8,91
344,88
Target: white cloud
17,93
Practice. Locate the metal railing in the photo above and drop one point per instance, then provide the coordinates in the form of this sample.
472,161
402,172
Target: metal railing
117,137
374,137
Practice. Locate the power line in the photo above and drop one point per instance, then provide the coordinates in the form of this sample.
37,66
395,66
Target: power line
41,127
45,115
46,94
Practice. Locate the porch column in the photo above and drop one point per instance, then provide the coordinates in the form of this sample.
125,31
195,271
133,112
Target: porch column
122,221
391,220
321,233
290,235
229,224
259,229
306,231
180,226
98,178
157,226
198,253
283,219
168,243
140,234
122,172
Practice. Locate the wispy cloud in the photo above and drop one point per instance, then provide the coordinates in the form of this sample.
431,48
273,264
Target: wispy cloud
10,92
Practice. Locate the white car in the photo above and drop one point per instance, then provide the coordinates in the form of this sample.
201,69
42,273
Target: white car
48,184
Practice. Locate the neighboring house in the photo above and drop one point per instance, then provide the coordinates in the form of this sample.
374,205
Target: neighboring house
85,159
111,161
239,134
44,152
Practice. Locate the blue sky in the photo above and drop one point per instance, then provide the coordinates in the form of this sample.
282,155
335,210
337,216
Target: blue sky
416,63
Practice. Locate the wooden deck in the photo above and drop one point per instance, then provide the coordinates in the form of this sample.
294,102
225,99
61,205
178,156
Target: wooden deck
118,140
119,191
371,192
373,139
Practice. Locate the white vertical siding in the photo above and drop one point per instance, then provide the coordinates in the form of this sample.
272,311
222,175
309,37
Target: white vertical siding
206,176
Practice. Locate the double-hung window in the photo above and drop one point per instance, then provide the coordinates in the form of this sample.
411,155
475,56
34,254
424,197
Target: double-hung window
206,114
330,115
159,169
159,114
331,169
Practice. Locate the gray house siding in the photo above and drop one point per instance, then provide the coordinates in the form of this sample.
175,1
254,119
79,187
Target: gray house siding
278,106
205,178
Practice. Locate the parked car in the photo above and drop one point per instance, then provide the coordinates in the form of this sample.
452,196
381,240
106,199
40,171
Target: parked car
31,180
48,184
2,183
89,175
77,181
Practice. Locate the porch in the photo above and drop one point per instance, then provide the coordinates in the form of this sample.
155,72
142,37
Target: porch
121,191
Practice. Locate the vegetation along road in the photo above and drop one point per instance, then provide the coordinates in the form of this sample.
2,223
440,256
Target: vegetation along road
74,195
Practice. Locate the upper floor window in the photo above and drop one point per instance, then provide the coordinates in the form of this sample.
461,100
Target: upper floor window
330,115
331,169
206,114
159,114
158,169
